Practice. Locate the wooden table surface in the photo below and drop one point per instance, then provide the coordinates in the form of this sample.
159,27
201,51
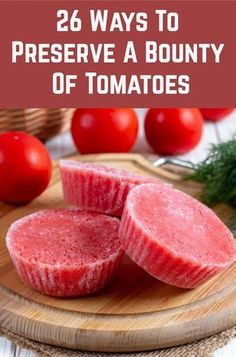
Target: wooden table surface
62,145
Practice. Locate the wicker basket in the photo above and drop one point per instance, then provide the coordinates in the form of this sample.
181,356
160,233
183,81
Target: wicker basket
43,123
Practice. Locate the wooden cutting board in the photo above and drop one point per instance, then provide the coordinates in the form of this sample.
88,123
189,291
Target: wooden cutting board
136,312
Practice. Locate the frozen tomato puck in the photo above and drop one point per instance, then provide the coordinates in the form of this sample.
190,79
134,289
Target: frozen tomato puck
98,188
65,252
174,237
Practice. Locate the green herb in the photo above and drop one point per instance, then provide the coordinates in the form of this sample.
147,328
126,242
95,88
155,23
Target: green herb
218,175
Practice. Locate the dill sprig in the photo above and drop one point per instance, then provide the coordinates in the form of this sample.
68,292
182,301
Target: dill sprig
218,174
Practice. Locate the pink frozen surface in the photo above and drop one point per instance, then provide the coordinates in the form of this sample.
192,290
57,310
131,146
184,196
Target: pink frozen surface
65,252
174,237
98,188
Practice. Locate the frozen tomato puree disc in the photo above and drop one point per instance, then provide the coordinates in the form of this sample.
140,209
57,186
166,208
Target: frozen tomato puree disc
98,188
174,237
65,252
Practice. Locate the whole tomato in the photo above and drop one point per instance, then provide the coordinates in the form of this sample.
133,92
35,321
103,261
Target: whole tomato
25,167
215,114
173,131
104,130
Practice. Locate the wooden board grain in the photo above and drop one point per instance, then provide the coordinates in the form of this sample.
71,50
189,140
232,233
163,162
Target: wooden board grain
136,312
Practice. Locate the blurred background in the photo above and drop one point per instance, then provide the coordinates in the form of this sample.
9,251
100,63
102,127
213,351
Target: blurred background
52,126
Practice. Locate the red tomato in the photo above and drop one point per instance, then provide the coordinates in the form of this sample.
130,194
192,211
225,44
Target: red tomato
104,130
215,114
173,131
25,167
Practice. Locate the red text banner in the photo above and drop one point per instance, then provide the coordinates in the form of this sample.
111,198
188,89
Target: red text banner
117,53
